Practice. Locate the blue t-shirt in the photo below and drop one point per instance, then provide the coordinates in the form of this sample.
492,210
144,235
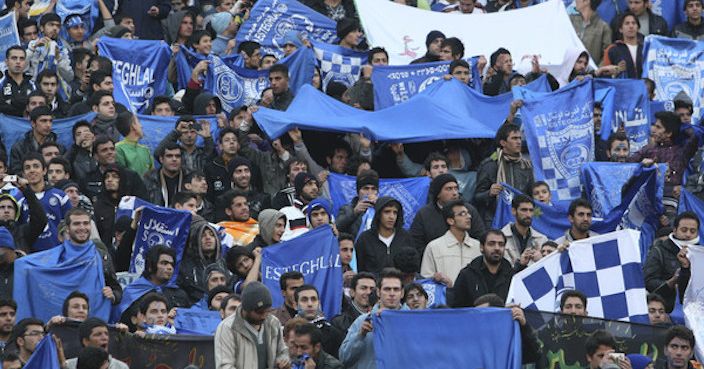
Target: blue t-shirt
56,204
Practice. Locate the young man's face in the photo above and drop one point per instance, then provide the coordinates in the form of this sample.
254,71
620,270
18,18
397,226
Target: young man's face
389,215
56,173
77,308
618,152
49,85
346,251
462,74
582,219
99,337
51,29
434,47
291,285
574,306
30,33
308,304
163,110
678,352
601,354
156,314
694,11
657,313
197,185
319,217
33,171
379,59
437,167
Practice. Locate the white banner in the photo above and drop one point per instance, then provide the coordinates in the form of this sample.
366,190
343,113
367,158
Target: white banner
694,298
544,29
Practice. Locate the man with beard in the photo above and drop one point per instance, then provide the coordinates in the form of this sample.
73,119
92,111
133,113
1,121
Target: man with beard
163,183
522,241
240,170
8,312
662,266
251,337
580,217
679,347
617,148
489,273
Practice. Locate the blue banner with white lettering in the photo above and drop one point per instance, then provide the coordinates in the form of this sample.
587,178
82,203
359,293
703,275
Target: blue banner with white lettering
45,355
270,20
160,226
42,281
236,85
394,84
559,129
88,10
9,36
410,192
316,255
437,292
338,63
197,321
690,202
12,129
675,66
456,111
629,108
140,65
411,339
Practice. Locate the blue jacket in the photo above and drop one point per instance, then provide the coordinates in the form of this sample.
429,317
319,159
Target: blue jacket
357,352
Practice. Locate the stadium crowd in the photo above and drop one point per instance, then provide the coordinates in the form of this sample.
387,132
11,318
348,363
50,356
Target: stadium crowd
261,192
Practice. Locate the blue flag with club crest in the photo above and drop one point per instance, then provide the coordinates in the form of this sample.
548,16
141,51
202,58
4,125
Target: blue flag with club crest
410,192
338,63
9,36
426,339
606,268
316,255
160,226
45,355
675,66
140,66
394,84
235,85
437,292
627,106
559,129
270,20
42,280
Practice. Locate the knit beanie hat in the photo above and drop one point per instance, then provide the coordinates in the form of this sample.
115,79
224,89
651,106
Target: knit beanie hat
366,178
215,291
220,21
6,239
301,180
256,296
438,182
236,162
345,26
432,35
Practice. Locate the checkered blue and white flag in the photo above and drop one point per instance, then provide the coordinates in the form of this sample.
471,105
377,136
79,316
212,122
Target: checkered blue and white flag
338,63
606,268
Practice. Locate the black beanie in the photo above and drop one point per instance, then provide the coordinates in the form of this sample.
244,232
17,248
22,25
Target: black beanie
301,179
237,161
367,177
438,182
215,291
432,36
345,26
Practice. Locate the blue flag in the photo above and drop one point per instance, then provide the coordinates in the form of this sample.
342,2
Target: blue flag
270,20
316,255
629,108
43,280
410,192
609,9
133,292
88,11
155,128
603,183
44,356
197,321
394,84
690,202
638,208
456,111
12,129
338,63
8,36
140,66
671,10
411,339
437,292
559,129
675,66
160,226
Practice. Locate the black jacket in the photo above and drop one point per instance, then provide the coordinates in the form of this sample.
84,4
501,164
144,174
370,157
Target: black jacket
619,51
657,25
429,224
152,182
372,254
660,265
25,145
218,179
7,273
521,178
104,214
347,220
472,282
92,184
332,336
689,31
26,234
81,160
344,320
13,96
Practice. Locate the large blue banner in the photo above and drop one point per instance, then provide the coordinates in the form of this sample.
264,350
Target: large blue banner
410,192
236,85
411,339
338,63
627,105
43,280
270,20
160,226
456,111
559,129
140,66
88,10
675,66
394,84
197,321
316,255
45,355
8,36
12,129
